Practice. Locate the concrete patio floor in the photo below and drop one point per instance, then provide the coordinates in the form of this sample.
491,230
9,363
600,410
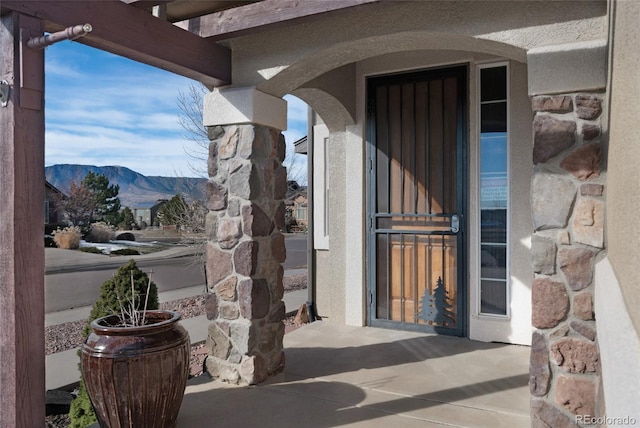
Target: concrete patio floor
337,375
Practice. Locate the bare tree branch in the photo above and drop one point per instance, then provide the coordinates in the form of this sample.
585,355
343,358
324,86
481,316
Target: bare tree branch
296,166
191,107
79,206
184,215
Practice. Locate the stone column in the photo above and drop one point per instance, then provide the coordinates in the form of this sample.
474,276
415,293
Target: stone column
246,248
568,204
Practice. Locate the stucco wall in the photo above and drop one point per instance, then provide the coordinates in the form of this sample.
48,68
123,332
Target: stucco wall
520,270
341,271
299,53
330,265
315,59
617,283
623,198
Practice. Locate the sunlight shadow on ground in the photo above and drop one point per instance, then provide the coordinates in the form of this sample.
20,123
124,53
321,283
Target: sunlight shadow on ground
346,376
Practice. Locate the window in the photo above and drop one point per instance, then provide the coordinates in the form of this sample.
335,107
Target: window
320,214
46,212
494,189
301,213
325,223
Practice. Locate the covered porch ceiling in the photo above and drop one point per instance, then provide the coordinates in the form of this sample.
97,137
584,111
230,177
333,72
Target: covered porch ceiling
181,36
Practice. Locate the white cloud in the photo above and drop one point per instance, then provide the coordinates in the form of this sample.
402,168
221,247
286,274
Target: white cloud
61,70
296,110
293,135
297,128
105,110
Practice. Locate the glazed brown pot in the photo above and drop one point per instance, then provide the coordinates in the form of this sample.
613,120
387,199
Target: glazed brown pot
136,376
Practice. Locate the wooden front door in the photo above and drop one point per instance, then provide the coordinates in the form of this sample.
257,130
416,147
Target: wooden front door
416,200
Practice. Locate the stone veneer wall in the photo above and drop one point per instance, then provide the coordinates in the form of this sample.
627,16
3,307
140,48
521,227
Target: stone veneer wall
244,253
568,207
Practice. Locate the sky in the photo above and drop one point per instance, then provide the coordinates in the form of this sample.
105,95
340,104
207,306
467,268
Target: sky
102,109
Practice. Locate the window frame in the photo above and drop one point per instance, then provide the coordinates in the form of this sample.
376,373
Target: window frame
480,243
301,213
47,212
321,183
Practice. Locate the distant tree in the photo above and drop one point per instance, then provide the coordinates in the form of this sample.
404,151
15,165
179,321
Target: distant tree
79,206
296,169
289,220
107,203
91,200
187,216
190,104
173,211
128,220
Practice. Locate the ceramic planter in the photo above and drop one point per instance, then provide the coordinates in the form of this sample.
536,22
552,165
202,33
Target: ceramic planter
136,376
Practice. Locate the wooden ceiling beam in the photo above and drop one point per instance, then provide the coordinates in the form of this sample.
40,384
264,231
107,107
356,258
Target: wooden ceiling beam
264,14
145,3
134,33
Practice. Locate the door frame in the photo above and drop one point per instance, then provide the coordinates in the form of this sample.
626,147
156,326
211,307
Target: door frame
461,71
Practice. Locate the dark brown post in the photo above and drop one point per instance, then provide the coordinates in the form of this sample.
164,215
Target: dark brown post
22,361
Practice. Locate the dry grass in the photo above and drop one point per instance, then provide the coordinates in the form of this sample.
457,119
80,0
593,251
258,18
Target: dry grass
101,232
67,238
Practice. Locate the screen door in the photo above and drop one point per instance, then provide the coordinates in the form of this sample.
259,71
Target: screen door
417,160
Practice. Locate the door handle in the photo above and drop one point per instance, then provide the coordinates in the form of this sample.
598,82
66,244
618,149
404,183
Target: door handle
455,224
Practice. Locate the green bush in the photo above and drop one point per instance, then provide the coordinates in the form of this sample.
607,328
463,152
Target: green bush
49,242
82,414
120,285
128,220
84,230
92,250
126,252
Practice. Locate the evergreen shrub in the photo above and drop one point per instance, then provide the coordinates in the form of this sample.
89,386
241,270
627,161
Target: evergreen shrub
92,250
82,414
126,252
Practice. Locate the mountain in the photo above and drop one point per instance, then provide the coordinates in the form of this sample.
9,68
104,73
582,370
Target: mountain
136,190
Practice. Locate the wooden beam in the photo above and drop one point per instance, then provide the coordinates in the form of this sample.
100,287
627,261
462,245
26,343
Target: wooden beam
134,33
265,14
22,360
145,3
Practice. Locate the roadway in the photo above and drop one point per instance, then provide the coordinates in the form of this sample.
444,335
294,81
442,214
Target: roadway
77,286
